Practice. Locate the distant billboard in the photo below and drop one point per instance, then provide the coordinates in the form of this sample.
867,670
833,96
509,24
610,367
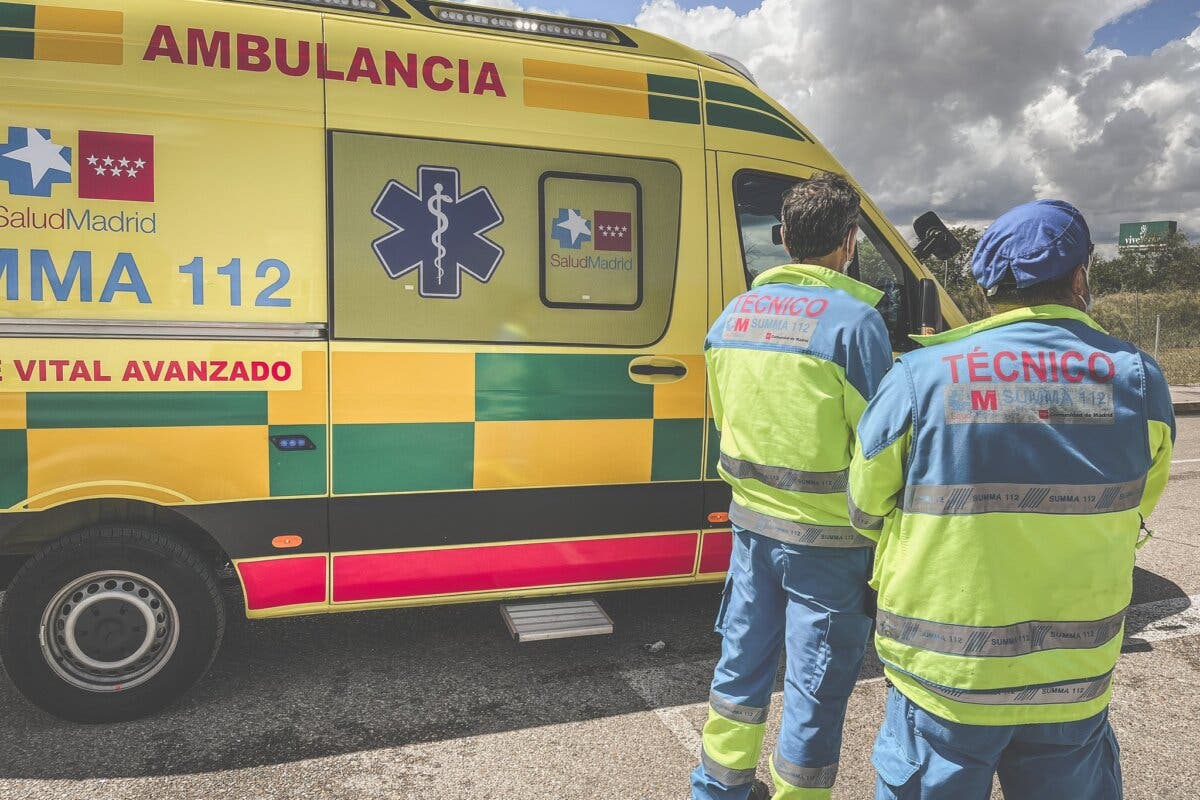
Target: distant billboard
1145,235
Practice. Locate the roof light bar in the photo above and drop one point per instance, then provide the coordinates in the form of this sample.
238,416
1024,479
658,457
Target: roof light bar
521,23
375,6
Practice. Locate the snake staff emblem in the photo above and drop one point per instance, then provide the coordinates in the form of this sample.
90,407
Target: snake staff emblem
443,224
438,231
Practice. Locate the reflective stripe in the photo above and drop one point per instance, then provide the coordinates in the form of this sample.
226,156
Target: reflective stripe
1018,639
736,713
789,480
1034,498
1040,695
796,532
726,775
861,519
804,777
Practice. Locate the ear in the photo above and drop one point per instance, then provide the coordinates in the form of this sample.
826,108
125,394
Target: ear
1079,280
783,235
851,241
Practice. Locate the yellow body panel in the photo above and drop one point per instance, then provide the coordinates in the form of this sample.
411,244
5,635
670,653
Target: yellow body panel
403,387
562,452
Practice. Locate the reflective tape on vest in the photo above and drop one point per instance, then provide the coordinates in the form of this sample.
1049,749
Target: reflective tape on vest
1044,694
1019,639
724,774
1063,498
804,777
861,519
789,480
796,532
737,713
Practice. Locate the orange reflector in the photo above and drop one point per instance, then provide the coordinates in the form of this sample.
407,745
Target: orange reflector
289,541
718,517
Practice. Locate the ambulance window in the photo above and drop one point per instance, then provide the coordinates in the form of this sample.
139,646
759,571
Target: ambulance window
758,197
445,241
591,249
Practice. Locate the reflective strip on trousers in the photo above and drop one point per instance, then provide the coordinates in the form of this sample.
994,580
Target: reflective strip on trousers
1019,639
1059,498
796,532
737,713
1041,695
726,775
861,519
804,777
789,480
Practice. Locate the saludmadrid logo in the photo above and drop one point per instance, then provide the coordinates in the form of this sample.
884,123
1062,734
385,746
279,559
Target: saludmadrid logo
71,219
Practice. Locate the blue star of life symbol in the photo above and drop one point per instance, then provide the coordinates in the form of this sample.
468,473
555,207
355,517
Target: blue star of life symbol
31,163
438,231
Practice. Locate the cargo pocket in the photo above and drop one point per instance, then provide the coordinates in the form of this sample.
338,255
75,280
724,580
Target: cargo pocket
723,609
839,656
895,769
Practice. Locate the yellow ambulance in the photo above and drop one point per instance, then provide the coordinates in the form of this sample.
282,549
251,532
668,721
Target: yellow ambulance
374,303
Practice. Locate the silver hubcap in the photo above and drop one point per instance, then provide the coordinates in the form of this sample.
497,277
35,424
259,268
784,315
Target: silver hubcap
109,631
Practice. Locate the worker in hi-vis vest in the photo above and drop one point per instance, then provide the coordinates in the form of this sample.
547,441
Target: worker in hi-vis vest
792,364
1006,471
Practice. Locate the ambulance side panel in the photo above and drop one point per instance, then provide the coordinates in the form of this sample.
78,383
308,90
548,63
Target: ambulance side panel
162,279
490,434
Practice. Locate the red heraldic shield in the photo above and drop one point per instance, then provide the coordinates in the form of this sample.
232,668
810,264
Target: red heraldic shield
116,166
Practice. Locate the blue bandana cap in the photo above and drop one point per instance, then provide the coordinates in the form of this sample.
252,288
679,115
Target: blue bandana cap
1035,242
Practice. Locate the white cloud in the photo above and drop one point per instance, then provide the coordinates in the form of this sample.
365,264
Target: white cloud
972,106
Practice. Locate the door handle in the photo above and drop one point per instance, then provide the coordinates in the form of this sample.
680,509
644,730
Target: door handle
657,369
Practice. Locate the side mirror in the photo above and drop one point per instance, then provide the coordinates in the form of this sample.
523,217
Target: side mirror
931,307
934,238
777,234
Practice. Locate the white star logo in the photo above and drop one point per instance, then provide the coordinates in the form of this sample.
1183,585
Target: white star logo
124,162
139,163
93,161
575,225
100,170
41,154
131,172
108,162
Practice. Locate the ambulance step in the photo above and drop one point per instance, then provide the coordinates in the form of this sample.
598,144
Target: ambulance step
555,619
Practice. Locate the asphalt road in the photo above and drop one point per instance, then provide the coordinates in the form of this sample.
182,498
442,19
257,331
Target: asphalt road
440,703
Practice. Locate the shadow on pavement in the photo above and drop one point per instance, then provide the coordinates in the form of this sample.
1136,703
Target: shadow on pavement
287,690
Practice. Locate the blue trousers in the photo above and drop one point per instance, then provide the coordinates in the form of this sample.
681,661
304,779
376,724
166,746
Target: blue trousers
813,600
919,756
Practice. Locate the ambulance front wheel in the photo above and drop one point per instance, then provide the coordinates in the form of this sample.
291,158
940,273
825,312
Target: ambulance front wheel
110,623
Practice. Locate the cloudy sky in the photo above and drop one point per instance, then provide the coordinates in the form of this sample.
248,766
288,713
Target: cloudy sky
971,106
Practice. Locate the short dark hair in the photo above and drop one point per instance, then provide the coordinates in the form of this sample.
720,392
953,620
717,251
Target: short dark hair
817,214
1058,290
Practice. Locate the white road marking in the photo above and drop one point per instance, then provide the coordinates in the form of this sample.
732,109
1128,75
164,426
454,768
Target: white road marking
1187,461
1158,621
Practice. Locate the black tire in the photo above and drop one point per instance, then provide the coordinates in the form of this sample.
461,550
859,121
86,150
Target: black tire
138,571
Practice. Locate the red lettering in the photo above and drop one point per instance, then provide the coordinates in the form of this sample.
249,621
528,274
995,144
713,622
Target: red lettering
489,80
133,372
406,70
985,401
197,371
748,303
741,325
1053,366
778,305
817,307
1096,376
363,66
162,43
26,372
259,371
281,371
60,368
79,372
209,52
1070,377
953,360
1007,377
151,372
303,54
238,373
464,76
98,372
977,362
174,372
218,371
1031,368
323,70
253,53
762,304
437,84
